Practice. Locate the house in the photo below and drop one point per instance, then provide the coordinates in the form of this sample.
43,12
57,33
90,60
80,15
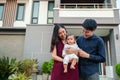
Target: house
26,27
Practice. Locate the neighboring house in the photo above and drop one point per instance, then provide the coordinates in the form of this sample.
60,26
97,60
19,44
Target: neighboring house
26,26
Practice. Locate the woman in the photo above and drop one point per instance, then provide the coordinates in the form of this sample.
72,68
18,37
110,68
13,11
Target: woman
57,44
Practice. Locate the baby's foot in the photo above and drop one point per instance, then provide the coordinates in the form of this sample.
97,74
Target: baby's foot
65,71
72,67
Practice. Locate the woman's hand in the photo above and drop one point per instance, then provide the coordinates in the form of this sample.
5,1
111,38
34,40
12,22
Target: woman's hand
54,55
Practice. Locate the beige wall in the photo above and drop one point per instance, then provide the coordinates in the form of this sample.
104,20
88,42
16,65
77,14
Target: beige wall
12,46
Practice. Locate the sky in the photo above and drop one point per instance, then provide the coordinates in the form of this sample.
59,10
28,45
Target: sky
118,6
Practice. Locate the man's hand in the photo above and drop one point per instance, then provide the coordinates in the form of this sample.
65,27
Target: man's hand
70,50
83,54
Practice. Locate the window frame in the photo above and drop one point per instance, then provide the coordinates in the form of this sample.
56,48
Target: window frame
23,14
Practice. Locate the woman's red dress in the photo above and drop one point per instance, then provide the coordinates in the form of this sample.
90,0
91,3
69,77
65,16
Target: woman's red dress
57,71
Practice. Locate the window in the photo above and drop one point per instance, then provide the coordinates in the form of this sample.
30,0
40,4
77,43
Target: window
1,11
35,12
50,12
20,12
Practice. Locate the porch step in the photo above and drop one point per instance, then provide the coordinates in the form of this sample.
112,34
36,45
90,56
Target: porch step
102,77
40,77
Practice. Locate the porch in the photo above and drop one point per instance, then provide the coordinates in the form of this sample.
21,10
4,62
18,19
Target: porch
102,77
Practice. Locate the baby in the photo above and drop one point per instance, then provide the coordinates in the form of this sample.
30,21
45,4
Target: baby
71,42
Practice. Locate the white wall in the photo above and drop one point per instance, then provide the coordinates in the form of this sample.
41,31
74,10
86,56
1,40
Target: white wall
84,13
1,23
43,12
27,16
42,19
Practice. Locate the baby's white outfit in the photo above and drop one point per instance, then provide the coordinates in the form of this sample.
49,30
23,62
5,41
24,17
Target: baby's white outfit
69,56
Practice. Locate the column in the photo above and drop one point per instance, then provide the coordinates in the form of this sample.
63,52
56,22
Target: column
57,3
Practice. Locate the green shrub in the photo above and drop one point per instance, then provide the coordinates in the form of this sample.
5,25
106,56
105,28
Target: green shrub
117,68
25,66
7,67
47,66
20,77
44,67
35,65
23,69
50,65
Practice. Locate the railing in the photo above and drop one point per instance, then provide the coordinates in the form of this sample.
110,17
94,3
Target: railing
85,5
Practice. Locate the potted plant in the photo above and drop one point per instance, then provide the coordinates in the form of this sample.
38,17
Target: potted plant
117,69
7,67
46,69
50,65
25,66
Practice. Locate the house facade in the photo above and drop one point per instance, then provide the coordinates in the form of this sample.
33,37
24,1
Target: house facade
26,27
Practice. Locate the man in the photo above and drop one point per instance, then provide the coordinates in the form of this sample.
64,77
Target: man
91,53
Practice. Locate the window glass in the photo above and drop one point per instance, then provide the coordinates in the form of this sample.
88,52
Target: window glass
1,11
35,12
50,12
20,12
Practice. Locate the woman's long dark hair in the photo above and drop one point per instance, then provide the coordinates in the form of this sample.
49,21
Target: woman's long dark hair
55,37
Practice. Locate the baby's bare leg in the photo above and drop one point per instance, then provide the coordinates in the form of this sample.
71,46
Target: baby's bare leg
74,61
65,68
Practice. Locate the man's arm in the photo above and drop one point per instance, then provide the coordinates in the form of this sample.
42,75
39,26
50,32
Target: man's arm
83,54
98,57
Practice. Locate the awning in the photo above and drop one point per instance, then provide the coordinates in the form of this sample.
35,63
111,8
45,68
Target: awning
82,1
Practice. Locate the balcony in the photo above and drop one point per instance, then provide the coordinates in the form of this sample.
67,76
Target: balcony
82,1
74,13
85,5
